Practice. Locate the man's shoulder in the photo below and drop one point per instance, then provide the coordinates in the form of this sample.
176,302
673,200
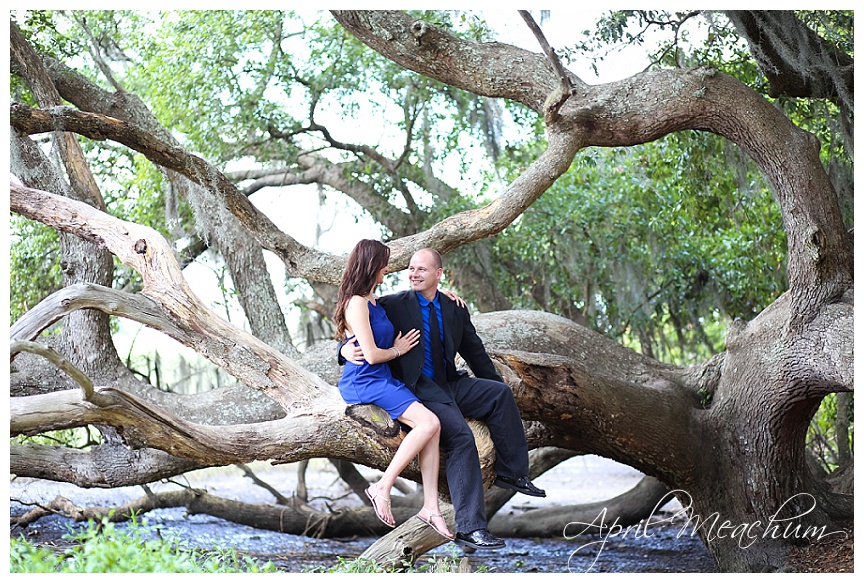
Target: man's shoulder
396,297
457,308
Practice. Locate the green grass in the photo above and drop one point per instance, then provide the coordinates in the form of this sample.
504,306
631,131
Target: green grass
102,548
433,564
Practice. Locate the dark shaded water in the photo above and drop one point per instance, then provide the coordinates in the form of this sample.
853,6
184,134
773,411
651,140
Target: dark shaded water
664,549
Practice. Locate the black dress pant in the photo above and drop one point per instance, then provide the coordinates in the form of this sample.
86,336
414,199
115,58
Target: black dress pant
491,402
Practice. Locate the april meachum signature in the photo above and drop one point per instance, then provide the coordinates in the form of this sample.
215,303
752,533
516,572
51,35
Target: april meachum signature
745,533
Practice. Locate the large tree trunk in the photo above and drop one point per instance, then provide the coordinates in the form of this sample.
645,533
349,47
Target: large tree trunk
696,430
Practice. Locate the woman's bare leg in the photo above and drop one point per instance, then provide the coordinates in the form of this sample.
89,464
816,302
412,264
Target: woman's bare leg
430,462
424,427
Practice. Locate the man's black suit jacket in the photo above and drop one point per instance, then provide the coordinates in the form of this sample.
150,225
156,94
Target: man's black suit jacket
403,310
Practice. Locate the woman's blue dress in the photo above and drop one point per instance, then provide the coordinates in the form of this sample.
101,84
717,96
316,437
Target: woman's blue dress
374,383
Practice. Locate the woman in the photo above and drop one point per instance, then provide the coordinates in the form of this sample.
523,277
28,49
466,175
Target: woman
359,317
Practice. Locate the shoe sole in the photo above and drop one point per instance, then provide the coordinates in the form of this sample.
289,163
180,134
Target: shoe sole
478,547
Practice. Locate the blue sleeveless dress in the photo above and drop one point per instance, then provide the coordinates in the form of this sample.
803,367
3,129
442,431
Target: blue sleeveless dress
374,383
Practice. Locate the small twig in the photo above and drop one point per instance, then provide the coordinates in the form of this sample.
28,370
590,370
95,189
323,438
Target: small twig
96,53
331,498
557,99
247,471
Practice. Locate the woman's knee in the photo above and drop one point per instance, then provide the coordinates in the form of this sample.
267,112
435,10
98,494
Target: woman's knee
422,420
430,423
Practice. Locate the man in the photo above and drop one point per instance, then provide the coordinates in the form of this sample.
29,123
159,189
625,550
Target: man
430,372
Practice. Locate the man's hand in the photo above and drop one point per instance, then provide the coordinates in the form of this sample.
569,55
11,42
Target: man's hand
352,352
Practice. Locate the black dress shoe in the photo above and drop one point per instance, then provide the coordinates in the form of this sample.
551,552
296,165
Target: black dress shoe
479,539
522,484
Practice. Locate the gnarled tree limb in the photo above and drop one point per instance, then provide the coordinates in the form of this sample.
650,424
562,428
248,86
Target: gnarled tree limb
146,251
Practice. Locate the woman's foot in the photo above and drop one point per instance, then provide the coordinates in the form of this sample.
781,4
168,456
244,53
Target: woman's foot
436,521
381,505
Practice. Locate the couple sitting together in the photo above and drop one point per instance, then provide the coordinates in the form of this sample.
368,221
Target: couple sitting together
399,354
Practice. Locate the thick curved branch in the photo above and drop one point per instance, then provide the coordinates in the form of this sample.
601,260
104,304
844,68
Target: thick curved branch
143,424
491,69
84,296
101,466
143,249
642,108
449,234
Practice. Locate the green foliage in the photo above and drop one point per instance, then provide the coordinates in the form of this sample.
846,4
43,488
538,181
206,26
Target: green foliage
432,564
78,437
103,548
822,435
34,264
659,244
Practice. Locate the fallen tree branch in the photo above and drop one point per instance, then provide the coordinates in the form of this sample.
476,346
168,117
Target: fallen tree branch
143,249
321,432
294,517
101,466
626,509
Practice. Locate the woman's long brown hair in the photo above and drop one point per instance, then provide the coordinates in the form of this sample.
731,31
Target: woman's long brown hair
367,258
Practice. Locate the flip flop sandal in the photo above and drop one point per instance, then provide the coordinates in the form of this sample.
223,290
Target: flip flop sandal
373,498
429,522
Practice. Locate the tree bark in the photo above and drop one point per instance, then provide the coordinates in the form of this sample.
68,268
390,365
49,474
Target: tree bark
86,335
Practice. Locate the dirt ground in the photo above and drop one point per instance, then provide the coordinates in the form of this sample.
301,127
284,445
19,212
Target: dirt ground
833,554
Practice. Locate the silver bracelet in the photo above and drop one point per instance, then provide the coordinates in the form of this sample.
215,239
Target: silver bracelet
398,354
